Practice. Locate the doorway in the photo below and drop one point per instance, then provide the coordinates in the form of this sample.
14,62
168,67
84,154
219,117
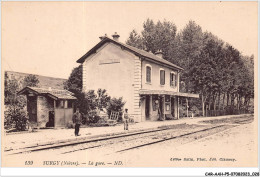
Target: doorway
50,123
172,107
147,107
32,108
161,110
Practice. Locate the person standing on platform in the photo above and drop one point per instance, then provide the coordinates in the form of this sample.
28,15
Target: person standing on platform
77,118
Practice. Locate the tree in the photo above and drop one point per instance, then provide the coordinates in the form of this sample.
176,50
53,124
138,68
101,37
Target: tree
135,40
31,81
86,101
154,37
204,74
187,48
102,99
11,87
74,83
14,114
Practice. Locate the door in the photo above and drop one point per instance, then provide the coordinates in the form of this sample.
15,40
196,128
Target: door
32,108
51,119
147,107
161,111
172,107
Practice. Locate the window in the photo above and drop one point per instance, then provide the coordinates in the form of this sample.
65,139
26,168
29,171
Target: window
167,105
173,79
162,77
59,104
148,74
70,102
65,103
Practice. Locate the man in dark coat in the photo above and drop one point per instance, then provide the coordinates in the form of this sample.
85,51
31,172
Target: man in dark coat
77,118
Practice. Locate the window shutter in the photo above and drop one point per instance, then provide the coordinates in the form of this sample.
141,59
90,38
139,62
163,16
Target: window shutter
162,77
171,79
148,74
175,80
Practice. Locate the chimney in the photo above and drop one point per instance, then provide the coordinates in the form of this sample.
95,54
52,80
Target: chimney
102,37
159,53
115,36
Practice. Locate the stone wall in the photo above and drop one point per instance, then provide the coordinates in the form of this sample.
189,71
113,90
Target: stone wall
44,105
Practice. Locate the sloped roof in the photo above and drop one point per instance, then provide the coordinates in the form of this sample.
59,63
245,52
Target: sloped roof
136,51
54,93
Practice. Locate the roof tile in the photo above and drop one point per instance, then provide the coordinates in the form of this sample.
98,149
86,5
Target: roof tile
60,94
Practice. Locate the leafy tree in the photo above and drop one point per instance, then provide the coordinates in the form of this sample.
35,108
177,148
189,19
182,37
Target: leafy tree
102,99
86,101
74,83
187,48
246,86
11,87
154,37
135,40
204,76
15,114
31,81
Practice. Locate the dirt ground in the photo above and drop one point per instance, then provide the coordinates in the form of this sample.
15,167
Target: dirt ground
235,147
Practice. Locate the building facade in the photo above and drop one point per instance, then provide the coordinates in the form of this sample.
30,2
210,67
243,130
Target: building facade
148,83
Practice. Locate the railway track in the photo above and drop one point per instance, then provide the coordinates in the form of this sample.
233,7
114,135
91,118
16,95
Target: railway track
150,138
219,129
86,141
140,139
171,138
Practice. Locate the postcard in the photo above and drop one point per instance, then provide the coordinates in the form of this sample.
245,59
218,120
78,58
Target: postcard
129,84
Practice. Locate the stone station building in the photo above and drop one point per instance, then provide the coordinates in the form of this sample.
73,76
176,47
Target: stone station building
48,107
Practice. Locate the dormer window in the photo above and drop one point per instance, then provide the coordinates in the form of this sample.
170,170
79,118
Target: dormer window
148,74
162,76
173,79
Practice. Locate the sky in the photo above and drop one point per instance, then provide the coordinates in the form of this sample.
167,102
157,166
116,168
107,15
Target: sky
46,38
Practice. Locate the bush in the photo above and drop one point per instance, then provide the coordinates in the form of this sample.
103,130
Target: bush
195,111
93,117
16,116
116,104
230,110
182,111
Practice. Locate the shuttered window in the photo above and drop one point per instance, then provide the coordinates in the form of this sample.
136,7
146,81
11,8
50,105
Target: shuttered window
162,77
173,79
148,74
